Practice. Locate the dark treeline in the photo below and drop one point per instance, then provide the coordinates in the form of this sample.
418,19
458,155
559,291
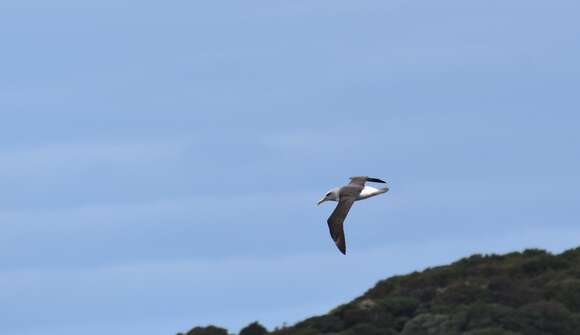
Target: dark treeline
521,293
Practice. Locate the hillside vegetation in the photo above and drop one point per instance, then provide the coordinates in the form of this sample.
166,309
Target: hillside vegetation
527,293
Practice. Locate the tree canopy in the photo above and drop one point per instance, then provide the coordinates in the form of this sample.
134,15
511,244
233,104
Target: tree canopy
522,293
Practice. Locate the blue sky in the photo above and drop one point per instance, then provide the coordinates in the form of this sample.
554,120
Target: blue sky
160,163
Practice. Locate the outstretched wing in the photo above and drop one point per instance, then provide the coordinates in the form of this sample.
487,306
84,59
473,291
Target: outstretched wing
335,222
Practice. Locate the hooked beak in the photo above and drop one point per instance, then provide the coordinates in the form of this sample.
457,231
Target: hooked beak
321,201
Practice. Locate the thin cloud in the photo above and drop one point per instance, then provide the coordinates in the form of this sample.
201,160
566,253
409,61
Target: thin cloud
66,157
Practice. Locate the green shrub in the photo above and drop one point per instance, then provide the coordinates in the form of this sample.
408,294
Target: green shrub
399,306
209,330
490,331
254,328
543,318
566,292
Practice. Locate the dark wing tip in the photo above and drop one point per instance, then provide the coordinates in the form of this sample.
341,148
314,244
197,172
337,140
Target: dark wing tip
376,180
341,246
338,238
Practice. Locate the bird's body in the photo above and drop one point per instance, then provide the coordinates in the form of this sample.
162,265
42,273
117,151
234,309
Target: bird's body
365,193
346,196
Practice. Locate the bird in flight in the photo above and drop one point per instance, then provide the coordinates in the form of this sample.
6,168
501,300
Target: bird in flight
346,195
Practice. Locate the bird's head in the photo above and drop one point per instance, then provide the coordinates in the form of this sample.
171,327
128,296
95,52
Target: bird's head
331,195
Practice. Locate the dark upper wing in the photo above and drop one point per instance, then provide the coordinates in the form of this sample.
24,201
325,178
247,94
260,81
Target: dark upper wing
335,222
361,180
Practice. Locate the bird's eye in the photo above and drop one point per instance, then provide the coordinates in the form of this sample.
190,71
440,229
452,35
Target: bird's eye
328,194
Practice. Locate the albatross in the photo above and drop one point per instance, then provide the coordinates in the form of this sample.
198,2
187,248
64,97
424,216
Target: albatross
346,195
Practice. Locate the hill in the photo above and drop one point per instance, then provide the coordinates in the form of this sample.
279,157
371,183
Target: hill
521,293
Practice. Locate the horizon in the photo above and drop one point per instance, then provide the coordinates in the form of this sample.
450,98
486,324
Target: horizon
161,164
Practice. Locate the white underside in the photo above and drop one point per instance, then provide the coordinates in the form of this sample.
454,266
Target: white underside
368,192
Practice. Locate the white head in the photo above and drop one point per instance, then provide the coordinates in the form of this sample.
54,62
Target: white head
331,195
